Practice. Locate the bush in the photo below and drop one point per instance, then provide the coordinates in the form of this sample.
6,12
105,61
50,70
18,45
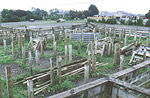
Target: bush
111,21
140,22
122,21
91,20
103,20
129,22
148,23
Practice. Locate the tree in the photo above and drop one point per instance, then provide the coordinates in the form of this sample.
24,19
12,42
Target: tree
148,15
93,10
140,22
148,23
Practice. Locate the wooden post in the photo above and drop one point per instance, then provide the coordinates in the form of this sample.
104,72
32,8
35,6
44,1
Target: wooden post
79,46
13,47
30,61
60,35
117,54
8,82
0,87
109,49
121,62
140,38
54,50
114,33
20,40
70,36
51,72
23,55
144,55
86,78
66,54
94,59
135,36
37,57
42,48
59,68
105,34
89,61
86,73
115,92
53,37
147,41
30,88
125,42
70,53
104,50
4,42
82,37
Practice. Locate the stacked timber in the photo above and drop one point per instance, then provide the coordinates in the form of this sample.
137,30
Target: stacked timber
140,55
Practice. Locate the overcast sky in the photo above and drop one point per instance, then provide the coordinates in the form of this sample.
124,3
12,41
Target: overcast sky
133,6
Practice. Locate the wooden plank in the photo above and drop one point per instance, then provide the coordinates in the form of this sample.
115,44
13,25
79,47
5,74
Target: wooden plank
79,89
131,86
131,69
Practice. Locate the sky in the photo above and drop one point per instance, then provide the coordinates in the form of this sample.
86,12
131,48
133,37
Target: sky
132,6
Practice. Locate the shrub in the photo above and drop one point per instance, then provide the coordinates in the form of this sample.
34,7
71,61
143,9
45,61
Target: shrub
111,21
122,21
129,22
140,22
91,20
148,23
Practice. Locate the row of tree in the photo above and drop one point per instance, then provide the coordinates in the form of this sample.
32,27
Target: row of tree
138,22
38,14
20,15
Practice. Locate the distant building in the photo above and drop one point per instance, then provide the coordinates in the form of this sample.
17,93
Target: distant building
119,15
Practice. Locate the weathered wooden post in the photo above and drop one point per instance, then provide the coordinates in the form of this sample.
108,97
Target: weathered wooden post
30,88
30,61
144,55
79,46
0,87
70,53
20,40
125,42
4,42
59,68
135,36
114,33
54,50
104,50
89,61
82,37
94,59
70,36
86,78
53,37
140,38
117,54
23,52
42,48
147,41
8,82
37,59
121,62
109,48
60,32
13,47
51,72
66,54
